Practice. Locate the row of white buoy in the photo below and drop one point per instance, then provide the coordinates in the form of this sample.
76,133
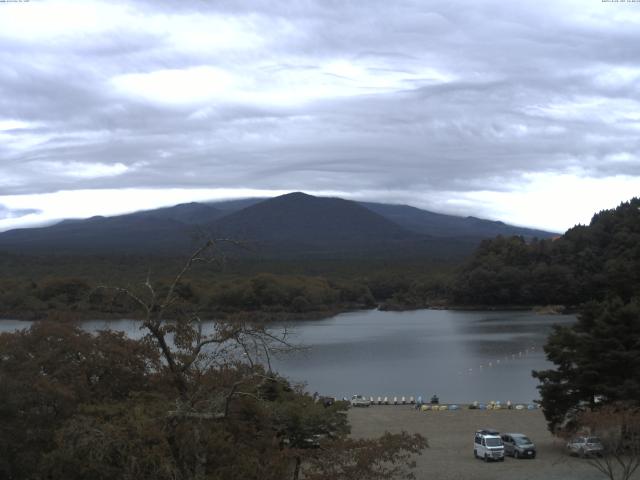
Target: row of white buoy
500,361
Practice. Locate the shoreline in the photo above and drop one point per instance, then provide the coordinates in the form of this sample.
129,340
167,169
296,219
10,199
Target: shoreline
539,309
283,316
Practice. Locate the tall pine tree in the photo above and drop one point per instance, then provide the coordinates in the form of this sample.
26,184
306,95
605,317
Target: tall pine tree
597,361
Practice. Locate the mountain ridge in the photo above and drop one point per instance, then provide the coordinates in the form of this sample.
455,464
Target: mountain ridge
290,224
446,225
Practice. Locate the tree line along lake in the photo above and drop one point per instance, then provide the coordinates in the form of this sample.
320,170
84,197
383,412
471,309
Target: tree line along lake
462,356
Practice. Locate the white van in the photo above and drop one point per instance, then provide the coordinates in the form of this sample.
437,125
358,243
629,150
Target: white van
488,445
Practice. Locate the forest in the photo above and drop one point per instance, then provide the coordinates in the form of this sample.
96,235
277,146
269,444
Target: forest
179,404
589,262
70,288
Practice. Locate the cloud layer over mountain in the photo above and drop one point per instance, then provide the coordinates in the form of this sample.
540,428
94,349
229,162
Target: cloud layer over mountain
489,108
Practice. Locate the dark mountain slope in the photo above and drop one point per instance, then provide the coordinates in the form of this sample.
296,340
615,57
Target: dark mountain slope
169,230
125,234
291,224
230,206
300,221
189,213
441,225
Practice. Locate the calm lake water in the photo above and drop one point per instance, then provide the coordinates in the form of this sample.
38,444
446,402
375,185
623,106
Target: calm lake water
461,356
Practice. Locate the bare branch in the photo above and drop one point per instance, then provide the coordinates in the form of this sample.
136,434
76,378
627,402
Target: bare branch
129,294
267,356
618,427
192,259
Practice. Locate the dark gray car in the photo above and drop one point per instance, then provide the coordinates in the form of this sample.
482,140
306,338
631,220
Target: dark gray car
518,445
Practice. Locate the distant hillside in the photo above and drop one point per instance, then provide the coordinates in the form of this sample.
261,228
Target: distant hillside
124,234
190,213
289,225
230,206
441,225
586,263
301,220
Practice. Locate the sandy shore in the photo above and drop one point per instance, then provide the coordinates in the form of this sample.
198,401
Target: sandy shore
450,435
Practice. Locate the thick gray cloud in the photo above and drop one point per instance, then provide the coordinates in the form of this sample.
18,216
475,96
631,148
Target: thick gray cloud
393,100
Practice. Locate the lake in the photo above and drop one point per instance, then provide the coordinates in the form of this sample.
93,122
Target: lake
461,356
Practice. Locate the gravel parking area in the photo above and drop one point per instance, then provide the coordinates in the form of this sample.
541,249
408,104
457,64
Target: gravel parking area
450,435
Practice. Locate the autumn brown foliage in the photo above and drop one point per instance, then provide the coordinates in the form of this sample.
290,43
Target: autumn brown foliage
182,403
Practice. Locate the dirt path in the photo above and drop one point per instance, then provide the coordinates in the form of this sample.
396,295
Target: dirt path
450,435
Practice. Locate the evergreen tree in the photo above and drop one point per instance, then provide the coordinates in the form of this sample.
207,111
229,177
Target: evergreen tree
587,262
597,361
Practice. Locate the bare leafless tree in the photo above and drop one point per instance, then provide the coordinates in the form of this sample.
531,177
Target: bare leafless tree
191,349
213,365
618,428
190,346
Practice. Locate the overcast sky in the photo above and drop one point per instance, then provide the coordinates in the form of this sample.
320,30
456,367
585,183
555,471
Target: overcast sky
523,111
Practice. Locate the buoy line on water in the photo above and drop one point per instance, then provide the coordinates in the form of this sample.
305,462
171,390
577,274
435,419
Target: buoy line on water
419,404
502,361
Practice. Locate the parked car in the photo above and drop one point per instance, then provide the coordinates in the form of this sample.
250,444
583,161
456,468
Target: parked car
518,445
360,401
585,446
488,445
